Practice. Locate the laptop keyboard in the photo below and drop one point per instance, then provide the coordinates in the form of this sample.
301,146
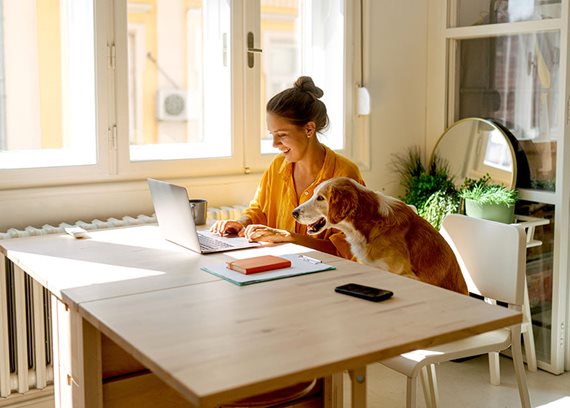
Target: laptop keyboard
211,243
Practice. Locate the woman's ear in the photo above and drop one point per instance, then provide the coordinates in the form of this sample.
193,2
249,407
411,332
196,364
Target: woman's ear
310,128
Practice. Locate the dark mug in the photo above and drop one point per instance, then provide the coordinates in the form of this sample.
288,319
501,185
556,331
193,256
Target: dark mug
199,210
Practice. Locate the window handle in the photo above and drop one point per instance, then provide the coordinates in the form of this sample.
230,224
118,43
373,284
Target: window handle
225,49
251,50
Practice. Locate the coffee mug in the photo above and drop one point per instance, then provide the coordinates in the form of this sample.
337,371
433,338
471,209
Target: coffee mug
199,209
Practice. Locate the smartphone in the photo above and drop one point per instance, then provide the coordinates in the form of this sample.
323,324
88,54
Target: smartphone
364,292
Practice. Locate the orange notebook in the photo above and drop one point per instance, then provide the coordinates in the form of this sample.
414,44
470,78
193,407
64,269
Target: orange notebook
258,264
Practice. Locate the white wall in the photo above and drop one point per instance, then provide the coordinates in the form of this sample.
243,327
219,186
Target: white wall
69,204
398,61
397,85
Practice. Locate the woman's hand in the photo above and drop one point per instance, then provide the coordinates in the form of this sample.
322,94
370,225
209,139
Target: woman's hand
263,233
227,227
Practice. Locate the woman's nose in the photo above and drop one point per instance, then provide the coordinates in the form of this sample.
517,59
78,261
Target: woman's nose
276,141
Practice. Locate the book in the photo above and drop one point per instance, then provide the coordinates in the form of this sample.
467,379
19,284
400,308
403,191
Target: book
258,264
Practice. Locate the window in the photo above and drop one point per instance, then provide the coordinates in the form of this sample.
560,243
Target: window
179,80
305,38
48,110
514,79
478,12
172,89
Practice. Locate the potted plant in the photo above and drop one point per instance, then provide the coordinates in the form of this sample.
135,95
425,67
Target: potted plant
431,190
491,201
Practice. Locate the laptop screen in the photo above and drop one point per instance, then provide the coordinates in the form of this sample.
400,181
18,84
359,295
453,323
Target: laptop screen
174,214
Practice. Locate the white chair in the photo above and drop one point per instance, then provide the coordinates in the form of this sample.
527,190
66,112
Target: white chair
530,224
492,257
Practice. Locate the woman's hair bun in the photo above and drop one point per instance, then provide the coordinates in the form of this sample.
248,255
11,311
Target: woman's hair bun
306,84
300,104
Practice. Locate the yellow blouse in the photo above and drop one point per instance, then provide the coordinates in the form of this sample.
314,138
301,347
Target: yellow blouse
276,198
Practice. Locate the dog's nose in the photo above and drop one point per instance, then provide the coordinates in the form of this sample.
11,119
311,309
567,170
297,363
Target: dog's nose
296,213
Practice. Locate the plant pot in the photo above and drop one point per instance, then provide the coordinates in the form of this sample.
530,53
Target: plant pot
493,212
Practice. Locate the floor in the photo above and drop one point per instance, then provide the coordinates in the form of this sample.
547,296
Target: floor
386,388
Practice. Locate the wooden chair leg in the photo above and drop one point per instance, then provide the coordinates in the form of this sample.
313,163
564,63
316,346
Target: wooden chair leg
425,380
519,366
527,332
494,369
411,392
429,385
432,382
529,350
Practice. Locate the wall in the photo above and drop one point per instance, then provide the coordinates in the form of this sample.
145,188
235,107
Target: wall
398,61
397,85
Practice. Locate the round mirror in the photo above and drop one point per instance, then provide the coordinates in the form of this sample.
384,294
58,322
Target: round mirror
473,147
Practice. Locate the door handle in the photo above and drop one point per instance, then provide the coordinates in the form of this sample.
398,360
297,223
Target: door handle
251,50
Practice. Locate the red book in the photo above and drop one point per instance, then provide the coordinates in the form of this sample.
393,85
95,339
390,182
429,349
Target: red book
258,264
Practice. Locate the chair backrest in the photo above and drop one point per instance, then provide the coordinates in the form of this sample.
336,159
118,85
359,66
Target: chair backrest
492,256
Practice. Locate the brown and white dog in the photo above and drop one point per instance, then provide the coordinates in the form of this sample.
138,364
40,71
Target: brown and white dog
383,232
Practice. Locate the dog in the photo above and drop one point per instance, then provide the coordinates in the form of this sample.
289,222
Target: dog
383,232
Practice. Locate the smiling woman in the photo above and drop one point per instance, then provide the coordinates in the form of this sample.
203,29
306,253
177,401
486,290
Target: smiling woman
295,117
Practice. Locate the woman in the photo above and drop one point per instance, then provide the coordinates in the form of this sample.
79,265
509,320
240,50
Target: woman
294,118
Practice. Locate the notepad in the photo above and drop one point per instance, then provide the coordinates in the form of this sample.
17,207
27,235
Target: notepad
300,265
258,264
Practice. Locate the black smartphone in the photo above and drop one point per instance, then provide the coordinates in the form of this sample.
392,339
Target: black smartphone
364,292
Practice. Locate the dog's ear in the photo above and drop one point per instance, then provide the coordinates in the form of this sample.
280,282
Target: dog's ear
386,204
370,205
343,202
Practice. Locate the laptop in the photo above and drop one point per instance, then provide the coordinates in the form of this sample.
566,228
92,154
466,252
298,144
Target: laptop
177,225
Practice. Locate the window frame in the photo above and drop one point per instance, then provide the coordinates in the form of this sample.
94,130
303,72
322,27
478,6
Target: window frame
111,87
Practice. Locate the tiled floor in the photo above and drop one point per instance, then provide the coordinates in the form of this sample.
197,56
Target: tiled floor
466,385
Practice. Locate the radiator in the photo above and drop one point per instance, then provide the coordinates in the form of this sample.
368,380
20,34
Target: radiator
93,225
25,333
221,213
25,309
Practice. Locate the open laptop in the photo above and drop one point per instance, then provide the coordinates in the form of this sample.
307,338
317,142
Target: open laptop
176,223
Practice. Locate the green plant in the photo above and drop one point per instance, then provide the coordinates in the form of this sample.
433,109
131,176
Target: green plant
431,190
438,205
483,191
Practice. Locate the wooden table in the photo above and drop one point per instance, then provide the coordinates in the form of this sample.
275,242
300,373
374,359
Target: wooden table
214,342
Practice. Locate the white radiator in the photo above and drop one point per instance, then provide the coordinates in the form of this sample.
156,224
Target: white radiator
93,225
25,309
221,213
25,333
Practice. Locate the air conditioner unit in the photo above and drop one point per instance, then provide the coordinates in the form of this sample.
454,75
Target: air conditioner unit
172,105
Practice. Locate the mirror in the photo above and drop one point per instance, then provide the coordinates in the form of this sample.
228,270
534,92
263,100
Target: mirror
473,147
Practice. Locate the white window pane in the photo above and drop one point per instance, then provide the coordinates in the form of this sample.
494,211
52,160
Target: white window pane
304,38
48,106
515,80
477,12
323,59
179,80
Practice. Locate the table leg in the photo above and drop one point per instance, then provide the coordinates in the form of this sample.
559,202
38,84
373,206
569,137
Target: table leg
92,368
333,391
77,359
358,380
